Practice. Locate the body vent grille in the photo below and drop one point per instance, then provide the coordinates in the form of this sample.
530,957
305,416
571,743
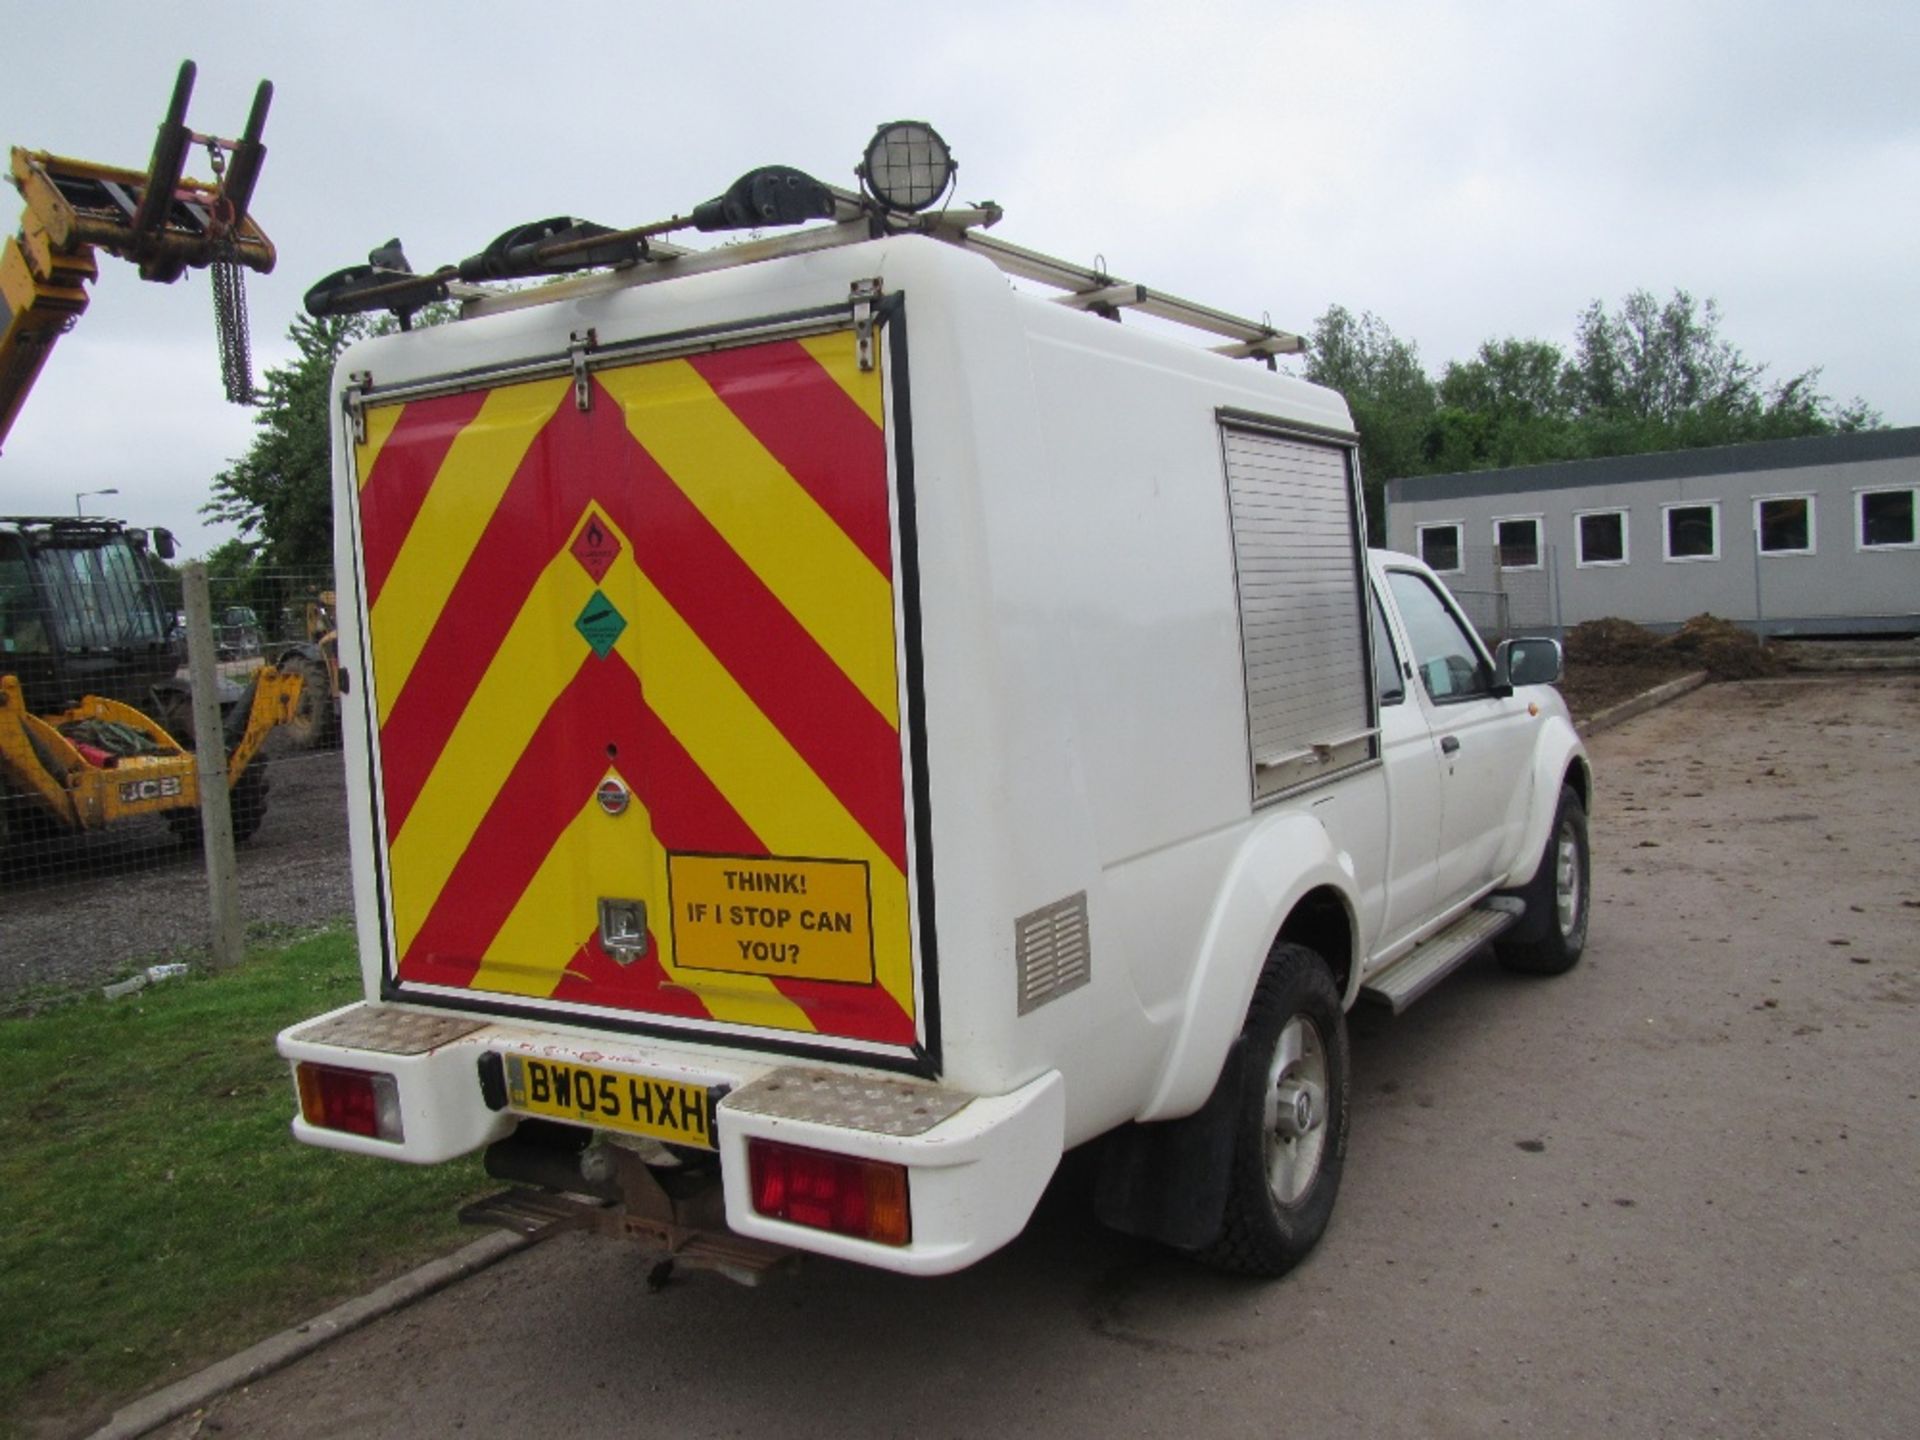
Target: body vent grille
1050,947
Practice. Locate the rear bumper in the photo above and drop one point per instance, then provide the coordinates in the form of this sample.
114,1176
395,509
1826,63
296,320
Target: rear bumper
973,1177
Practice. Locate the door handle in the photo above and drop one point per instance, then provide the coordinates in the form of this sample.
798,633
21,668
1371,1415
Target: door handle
1448,744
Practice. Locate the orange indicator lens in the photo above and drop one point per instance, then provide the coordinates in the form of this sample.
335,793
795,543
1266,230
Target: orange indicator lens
356,1102
837,1193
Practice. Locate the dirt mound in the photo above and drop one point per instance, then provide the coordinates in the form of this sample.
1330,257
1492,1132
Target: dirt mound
1610,642
1706,642
1721,648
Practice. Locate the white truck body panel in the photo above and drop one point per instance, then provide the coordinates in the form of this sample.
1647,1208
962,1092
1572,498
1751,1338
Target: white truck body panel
1086,732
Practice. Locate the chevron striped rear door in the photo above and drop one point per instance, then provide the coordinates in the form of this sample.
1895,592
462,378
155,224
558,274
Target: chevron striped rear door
647,653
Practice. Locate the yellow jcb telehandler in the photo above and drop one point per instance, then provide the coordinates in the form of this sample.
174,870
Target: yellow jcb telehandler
95,721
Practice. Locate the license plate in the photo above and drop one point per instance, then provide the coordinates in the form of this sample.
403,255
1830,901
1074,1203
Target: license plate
670,1110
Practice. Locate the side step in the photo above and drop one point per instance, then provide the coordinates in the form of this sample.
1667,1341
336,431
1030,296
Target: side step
1443,952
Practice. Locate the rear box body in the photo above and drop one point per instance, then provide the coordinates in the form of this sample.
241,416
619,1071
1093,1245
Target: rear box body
636,679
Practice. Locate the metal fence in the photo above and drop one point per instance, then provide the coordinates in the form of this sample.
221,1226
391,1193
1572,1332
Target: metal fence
1505,600
101,865
102,868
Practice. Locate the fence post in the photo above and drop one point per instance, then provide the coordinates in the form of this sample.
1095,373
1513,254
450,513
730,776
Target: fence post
210,754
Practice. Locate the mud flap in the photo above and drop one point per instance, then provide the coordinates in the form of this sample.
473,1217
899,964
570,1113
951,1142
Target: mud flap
1167,1181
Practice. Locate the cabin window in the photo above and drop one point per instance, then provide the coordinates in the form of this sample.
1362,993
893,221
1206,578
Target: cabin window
1388,678
1692,531
1450,664
1600,537
1440,547
1783,524
1516,542
1886,519
23,629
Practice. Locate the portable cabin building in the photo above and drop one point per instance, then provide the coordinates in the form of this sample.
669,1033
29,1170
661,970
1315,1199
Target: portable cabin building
1812,536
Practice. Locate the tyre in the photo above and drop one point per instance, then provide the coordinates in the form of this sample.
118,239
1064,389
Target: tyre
172,710
246,802
249,801
1559,894
1290,1140
26,831
16,832
313,722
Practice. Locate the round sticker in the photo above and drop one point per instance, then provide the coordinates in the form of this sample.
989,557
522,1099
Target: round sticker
613,796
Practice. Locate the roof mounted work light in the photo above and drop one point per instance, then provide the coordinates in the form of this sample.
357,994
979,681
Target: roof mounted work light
907,166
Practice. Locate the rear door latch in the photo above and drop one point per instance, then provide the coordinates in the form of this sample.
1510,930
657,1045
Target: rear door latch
866,294
623,928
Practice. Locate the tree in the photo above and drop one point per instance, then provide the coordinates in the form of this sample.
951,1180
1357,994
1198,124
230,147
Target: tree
1649,376
1511,404
1517,380
280,493
1386,388
1647,361
1644,376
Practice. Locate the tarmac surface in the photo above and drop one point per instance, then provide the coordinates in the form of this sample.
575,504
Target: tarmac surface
1668,1194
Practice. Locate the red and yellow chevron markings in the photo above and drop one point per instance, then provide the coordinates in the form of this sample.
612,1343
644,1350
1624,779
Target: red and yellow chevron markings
686,588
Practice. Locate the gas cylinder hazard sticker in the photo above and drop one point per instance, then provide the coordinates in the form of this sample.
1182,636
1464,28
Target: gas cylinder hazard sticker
782,918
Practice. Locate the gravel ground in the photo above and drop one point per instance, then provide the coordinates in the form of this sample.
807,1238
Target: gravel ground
88,910
1668,1194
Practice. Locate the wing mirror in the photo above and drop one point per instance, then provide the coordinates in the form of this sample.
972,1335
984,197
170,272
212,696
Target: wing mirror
1526,662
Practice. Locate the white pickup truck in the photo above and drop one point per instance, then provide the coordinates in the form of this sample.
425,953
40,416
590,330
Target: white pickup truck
830,730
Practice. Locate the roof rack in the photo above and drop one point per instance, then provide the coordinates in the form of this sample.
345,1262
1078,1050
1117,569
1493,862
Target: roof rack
907,171
854,220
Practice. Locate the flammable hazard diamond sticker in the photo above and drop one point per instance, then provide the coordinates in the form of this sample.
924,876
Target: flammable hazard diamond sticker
596,547
601,624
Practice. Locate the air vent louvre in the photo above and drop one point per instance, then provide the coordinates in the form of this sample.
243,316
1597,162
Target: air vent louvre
1051,949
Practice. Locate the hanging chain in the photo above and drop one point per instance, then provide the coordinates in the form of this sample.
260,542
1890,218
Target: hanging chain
230,295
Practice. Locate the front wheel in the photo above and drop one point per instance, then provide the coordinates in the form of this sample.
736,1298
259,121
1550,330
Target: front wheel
1290,1139
1558,895
314,721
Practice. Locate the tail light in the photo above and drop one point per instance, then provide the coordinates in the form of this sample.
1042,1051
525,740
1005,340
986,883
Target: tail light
862,1198
358,1102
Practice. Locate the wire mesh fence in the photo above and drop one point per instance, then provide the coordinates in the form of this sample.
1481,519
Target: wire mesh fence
101,868
1504,598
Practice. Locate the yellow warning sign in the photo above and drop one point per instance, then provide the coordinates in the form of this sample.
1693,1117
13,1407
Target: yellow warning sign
785,919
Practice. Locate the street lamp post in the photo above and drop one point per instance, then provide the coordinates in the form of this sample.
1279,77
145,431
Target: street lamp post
77,510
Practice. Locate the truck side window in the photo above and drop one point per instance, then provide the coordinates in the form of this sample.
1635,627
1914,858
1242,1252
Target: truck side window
1450,663
1386,660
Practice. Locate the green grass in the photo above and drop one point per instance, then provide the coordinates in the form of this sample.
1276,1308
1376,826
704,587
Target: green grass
156,1212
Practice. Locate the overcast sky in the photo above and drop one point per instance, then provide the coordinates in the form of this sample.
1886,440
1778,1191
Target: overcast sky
1465,171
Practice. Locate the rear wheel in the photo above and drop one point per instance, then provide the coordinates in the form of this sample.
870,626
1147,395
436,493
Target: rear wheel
246,802
1290,1140
1559,895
